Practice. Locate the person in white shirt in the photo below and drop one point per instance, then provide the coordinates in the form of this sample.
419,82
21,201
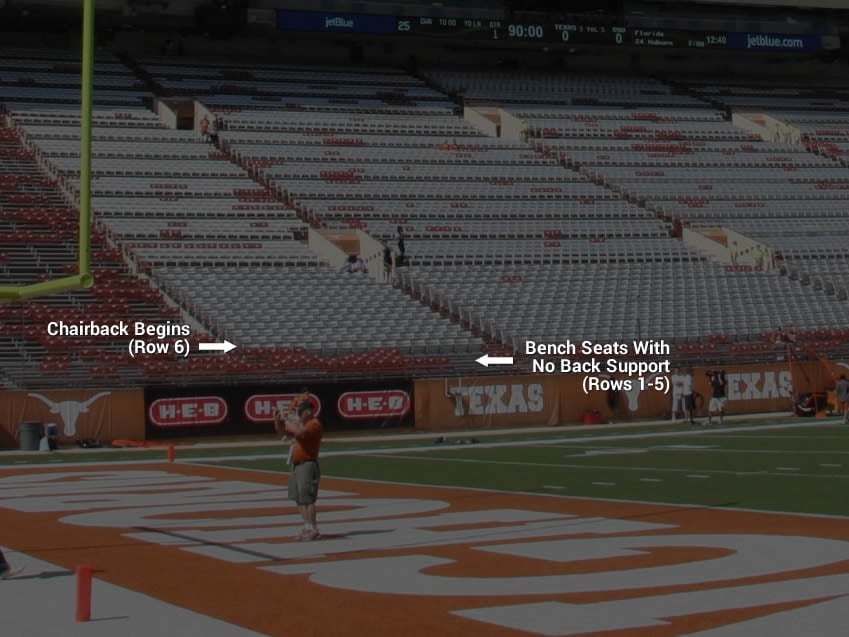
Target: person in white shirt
688,399
214,129
677,393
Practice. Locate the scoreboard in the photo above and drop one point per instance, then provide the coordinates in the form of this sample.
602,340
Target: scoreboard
543,32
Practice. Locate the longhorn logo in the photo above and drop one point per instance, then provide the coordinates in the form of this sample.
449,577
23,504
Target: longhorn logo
70,410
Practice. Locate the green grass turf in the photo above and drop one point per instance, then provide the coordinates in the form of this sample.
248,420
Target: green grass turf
770,470
803,469
274,446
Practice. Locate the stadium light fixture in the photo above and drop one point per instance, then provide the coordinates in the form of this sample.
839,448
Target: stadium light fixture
84,279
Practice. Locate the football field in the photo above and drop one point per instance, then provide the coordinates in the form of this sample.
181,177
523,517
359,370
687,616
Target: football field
615,531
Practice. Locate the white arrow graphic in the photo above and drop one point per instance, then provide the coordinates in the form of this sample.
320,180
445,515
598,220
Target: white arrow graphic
225,347
486,360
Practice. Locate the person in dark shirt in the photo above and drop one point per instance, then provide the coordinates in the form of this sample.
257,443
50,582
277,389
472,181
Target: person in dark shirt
354,264
387,261
402,248
214,129
718,399
842,394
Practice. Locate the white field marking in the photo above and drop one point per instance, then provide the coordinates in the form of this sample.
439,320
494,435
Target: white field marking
608,451
787,468
578,445
830,465
604,484
695,448
651,480
584,498
116,610
516,443
698,476
519,463
686,447
824,619
430,448
823,615
552,486
755,436
818,452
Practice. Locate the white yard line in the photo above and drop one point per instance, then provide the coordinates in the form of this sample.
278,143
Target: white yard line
585,498
612,451
755,436
818,452
612,468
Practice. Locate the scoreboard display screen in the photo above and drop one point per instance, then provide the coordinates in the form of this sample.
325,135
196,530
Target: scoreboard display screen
543,32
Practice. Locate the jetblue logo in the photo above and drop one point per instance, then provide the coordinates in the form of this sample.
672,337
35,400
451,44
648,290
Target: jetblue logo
338,22
766,41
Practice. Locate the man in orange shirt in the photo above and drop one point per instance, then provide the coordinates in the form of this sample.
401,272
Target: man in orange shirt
305,475
290,417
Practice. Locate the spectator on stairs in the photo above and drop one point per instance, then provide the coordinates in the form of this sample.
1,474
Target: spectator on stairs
354,264
204,128
760,257
387,261
213,131
401,256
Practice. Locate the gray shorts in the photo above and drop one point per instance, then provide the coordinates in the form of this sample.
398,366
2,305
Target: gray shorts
716,405
303,483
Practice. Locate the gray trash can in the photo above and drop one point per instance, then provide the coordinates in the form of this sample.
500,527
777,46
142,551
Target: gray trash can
29,435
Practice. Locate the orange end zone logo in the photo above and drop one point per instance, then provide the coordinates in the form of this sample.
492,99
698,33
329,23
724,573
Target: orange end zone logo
473,563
